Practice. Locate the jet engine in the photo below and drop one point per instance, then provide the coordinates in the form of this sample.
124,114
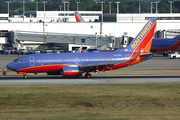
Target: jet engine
70,71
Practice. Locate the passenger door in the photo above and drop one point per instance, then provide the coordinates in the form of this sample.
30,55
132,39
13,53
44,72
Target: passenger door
31,61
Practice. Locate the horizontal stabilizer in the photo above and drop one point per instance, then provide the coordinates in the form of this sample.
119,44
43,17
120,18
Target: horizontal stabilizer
135,56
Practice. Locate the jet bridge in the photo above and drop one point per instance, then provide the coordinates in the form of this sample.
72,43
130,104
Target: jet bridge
47,37
171,33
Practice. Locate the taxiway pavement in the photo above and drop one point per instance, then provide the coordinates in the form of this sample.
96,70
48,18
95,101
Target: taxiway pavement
108,79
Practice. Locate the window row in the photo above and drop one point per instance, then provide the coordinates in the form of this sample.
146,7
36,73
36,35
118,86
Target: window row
82,60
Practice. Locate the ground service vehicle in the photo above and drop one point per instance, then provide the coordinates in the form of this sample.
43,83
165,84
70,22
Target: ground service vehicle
174,55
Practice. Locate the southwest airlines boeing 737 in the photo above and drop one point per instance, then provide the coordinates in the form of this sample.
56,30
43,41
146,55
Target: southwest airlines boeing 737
160,45
74,64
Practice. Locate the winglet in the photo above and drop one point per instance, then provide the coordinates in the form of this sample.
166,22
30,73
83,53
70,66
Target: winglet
78,17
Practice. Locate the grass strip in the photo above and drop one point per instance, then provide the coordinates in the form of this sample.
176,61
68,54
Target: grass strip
91,102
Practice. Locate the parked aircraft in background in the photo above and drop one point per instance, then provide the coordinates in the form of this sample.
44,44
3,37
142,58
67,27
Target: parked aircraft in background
74,64
77,50
164,45
78,17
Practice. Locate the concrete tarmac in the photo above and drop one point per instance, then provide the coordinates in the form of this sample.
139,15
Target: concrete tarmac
118,79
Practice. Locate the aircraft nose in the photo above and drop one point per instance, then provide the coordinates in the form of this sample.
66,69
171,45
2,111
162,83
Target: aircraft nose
10,66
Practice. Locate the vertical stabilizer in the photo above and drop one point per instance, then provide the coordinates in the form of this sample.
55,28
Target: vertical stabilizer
78,17
143,40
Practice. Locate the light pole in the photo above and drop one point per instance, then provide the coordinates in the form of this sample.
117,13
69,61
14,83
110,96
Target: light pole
44,17
101,14
139,6
157,6
151,1
8,7
60,8
77,1
23,7
68,7
36,6
109,7
64,8
44,8
170,2
44,5
117,6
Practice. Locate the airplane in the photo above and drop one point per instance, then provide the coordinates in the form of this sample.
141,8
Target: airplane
78,17
164,45
75,64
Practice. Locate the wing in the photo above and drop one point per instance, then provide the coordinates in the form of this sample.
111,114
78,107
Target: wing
99,66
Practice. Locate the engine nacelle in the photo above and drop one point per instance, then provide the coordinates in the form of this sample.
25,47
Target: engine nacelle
54,73
70,71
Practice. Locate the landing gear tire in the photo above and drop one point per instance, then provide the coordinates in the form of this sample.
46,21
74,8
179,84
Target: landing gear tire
25,77
88,75
4,72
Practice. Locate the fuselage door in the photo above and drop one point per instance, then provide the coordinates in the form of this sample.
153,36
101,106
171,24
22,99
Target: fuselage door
31,61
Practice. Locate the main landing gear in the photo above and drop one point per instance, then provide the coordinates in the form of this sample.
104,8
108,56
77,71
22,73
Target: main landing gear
25,76
88,75
23,73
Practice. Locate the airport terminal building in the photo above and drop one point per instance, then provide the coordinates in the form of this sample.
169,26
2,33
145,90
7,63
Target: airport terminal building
60,29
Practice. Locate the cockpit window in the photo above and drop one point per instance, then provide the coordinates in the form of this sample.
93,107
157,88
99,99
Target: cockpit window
18,60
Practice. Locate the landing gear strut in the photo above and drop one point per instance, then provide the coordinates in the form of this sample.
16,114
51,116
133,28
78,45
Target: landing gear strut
88,75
